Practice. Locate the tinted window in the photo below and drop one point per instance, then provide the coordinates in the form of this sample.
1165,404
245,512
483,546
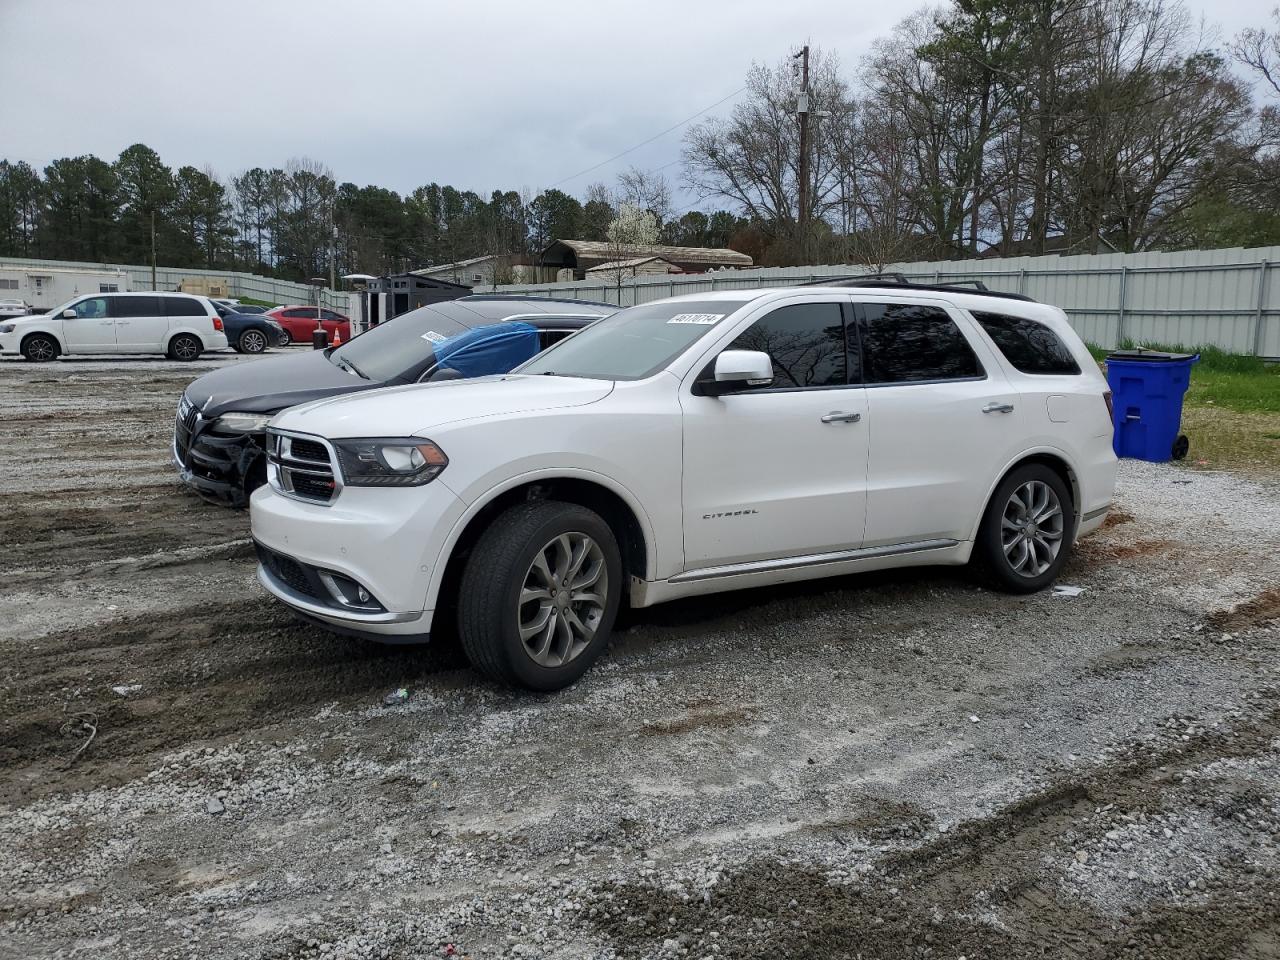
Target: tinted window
330,315
633,343
183,306
1030,346
401,347
805,341
127,306
903,343
301,313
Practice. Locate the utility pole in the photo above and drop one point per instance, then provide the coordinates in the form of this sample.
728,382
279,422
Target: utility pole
333,239
802,108
153,249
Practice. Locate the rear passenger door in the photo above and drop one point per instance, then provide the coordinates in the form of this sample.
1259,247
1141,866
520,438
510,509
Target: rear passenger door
941,421
140,323
186,312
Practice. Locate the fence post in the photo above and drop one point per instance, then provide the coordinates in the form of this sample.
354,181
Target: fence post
1259,315
1124,285
1022,281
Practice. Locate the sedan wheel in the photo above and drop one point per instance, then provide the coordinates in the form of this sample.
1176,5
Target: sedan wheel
285,339
562,600
252,341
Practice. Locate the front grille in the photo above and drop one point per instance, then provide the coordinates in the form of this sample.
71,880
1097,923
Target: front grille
303,467
184,428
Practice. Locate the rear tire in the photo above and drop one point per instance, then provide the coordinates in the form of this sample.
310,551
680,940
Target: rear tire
253,341
285,339
185,347
40,348
539,595
1027,530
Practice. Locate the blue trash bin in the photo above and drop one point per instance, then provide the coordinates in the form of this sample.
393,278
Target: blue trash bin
1147,387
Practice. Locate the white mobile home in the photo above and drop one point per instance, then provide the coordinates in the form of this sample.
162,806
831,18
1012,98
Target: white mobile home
43,288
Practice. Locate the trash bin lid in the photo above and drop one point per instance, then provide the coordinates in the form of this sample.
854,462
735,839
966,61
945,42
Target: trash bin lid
1152,356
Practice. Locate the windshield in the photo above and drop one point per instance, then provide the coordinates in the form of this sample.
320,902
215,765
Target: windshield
397,348
634,343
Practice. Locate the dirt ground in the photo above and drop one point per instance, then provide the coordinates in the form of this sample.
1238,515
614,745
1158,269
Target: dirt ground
892,766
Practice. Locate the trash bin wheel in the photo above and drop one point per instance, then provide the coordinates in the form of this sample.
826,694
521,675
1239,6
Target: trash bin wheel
1181,446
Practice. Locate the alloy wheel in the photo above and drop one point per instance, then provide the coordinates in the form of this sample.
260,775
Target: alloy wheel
1032,528
41,350
253,342
184,348
562,599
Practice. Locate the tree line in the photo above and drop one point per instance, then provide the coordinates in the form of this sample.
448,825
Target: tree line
282,222
1011,127
982,127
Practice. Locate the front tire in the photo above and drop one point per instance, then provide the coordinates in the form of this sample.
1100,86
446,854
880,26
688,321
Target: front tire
253,341
1027,530
285,339
40,348
185,347
539,595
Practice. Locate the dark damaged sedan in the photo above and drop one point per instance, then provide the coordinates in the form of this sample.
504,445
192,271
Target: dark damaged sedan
222,417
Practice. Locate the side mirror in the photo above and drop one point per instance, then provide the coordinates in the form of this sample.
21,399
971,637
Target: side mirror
446,373
68,314
742,368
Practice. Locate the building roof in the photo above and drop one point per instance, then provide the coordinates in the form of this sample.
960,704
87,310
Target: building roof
624,264
456,265
709,256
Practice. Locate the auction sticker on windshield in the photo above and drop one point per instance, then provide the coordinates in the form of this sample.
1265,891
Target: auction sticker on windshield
434,337
704,319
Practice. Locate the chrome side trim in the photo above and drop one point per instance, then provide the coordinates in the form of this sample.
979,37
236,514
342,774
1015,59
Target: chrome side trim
810,560
1095,514
282,591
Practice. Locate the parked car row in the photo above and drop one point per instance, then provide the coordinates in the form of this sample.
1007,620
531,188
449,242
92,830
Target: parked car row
713,442
148,323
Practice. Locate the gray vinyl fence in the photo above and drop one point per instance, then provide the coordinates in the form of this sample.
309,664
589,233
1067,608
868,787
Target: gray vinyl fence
1228,298
167,278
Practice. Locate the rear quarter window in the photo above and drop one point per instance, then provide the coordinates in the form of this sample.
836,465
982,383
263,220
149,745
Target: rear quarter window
183,307
1030,346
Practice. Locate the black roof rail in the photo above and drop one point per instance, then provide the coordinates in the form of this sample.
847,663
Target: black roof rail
900,280
530,297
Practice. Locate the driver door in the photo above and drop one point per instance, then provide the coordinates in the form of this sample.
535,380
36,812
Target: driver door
780,471
92,329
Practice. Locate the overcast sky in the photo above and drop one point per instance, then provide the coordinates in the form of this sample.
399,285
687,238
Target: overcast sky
482,95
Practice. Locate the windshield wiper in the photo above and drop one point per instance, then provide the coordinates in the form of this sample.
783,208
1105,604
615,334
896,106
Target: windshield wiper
348,365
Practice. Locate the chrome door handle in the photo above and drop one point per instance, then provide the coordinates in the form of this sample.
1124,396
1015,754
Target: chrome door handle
835,416
994,407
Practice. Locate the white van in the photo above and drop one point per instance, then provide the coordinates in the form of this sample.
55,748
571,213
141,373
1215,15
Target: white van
179,325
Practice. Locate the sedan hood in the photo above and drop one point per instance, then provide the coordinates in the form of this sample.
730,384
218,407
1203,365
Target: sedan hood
271,384
418,408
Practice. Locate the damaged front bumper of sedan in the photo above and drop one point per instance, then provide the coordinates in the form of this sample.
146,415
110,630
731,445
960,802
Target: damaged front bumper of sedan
224,468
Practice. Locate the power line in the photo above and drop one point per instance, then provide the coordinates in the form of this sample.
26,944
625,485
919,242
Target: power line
643,143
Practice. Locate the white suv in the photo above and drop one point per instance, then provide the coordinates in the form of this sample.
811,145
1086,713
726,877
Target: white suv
692,445
179,325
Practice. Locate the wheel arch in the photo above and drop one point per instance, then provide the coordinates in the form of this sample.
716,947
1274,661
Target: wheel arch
1056,460
44,331
617,505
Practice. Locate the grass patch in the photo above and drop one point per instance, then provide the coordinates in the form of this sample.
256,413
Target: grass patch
1228,380
256,303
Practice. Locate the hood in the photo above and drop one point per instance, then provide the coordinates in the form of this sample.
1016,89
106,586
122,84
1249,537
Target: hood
273,383
418,408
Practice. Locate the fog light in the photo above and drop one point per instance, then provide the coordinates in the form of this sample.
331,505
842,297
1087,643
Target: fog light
363,594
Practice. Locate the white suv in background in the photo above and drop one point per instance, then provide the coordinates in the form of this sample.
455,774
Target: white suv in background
179,325
698,444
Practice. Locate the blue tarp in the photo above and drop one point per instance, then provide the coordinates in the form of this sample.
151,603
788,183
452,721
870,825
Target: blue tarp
481,351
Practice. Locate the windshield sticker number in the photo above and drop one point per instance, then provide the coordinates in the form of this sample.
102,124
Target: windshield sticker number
702,319
434,337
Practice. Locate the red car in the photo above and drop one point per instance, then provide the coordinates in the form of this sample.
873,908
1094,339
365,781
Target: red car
299,322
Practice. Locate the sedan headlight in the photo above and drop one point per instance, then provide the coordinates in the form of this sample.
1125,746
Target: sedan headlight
236,423
395,462
7,328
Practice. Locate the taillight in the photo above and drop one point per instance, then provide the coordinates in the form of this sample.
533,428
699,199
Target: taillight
1111,409
217,325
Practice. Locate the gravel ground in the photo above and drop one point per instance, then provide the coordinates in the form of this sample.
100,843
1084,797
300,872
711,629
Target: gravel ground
900,765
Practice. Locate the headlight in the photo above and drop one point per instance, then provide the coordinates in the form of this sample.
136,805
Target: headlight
6,328
237,423
279,329
408,462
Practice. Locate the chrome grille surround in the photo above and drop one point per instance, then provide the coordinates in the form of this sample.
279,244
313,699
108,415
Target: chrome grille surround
298,474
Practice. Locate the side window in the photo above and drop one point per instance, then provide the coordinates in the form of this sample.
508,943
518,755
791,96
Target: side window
300,313
128,306
909,343
183,307
1030,346
91,309
805,341
547,337
330,315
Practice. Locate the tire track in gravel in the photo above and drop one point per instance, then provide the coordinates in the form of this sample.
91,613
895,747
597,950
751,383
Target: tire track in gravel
207,673
981,889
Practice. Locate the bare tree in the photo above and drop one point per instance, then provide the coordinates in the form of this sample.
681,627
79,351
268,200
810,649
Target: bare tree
1259,49
645,190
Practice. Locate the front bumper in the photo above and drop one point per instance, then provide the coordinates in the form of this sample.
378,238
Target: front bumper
224,469
382,539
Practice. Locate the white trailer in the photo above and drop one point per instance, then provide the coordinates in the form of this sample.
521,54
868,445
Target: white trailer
43,288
